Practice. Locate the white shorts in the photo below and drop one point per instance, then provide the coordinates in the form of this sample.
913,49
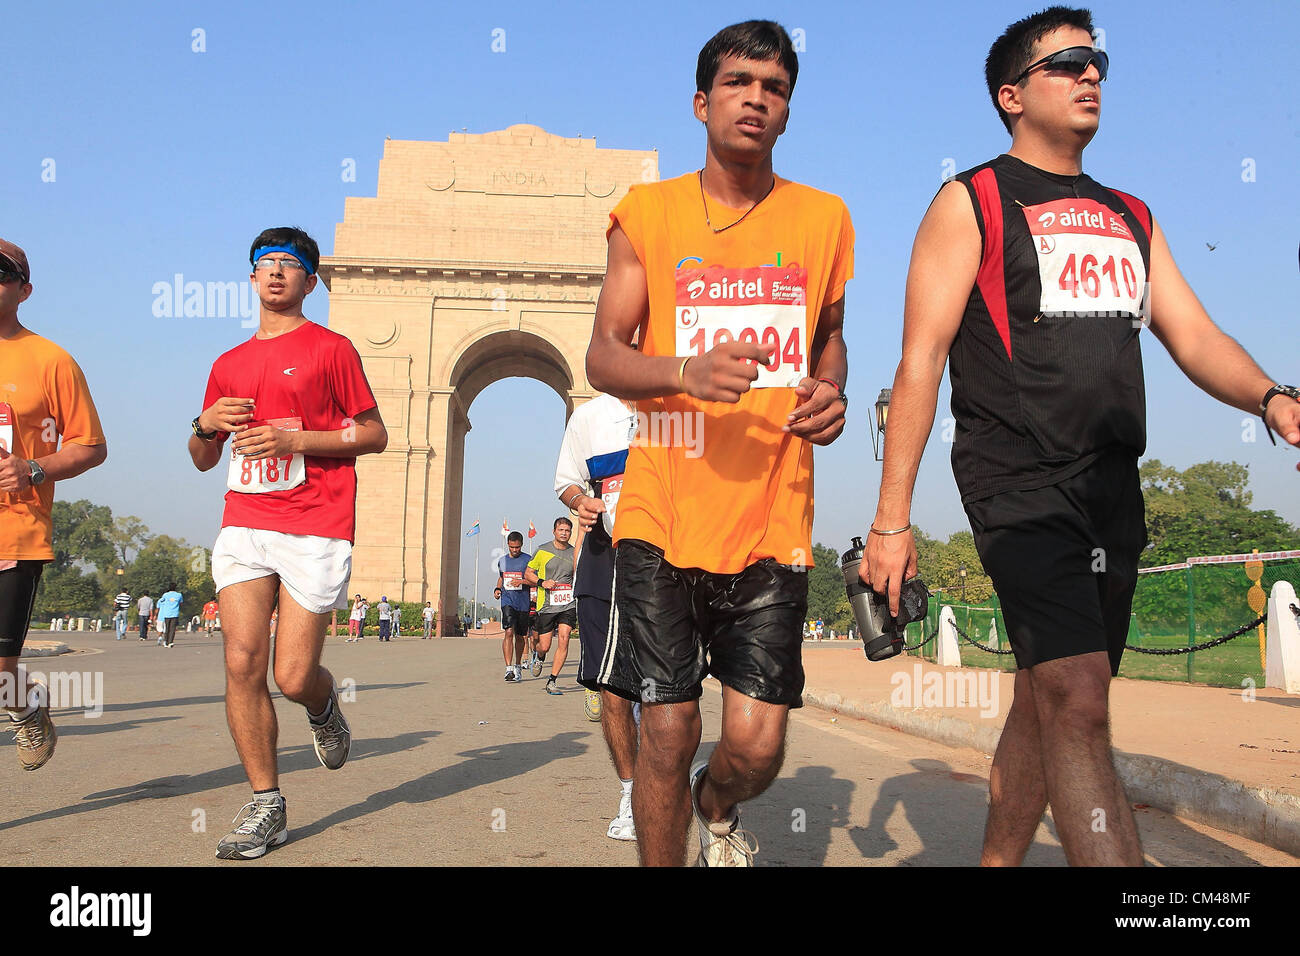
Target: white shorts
315,570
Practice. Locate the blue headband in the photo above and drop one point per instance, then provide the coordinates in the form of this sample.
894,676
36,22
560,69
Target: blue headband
263,250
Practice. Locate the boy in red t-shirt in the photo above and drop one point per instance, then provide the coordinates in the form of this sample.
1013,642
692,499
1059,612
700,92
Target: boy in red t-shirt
297,405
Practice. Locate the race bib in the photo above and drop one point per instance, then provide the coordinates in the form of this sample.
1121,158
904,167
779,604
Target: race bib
766,305
257,477
6,427
609,489
1088,261
512,580
560,594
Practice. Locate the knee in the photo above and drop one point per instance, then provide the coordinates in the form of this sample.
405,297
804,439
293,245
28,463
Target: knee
245,669
753,756
667,745
294,683
1075,706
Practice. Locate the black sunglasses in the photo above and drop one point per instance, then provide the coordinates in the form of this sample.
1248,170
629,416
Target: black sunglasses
1073,59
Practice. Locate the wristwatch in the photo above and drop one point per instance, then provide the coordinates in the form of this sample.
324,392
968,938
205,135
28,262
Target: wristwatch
1271,394
205,436
35,472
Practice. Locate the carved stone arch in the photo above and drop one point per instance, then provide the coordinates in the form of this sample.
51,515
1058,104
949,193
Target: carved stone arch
480,258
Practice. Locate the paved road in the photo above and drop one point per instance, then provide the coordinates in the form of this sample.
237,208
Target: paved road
444,749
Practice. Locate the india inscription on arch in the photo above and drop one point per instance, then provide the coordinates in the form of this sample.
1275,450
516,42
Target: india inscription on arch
480,258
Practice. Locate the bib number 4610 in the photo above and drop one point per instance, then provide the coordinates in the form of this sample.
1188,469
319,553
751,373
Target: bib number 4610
1089,280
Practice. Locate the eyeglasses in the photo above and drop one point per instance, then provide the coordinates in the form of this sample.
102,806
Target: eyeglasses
284,264
1073,59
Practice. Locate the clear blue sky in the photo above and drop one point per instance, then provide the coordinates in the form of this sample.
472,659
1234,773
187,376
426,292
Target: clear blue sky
167,161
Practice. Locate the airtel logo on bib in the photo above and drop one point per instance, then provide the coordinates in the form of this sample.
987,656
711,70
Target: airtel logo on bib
1072,218
728,289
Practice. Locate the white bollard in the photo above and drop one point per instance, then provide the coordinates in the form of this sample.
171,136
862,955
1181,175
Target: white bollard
1282,641
948,654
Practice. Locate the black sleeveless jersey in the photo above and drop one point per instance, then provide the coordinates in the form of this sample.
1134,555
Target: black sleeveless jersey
1046,367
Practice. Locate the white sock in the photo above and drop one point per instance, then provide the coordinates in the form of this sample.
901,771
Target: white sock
627,787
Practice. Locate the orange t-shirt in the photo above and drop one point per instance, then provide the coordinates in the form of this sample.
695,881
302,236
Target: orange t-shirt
49,398
720,486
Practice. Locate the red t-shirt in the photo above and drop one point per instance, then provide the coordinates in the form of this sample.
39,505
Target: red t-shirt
210,610
314,375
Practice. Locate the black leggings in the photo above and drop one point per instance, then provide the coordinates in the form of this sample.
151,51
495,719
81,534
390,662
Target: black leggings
17,597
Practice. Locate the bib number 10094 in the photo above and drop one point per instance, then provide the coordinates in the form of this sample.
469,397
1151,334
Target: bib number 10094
258,476
760,305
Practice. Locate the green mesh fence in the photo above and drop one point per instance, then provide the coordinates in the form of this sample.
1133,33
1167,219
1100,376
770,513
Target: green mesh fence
1173,608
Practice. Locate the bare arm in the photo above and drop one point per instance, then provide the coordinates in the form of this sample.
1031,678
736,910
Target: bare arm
614,367
1208,356
945,261
68,462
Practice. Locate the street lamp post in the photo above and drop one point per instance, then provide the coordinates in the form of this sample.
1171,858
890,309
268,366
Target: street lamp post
878,433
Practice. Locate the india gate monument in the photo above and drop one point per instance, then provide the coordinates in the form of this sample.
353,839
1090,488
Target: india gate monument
480,258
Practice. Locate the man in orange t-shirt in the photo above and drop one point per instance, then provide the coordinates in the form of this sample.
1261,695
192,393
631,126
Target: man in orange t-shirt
43,396
734,279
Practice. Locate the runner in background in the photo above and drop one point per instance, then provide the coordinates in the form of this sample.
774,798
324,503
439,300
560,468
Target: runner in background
510,592
296,405
588,479
735,278
210,617
46,399
551,569
121,607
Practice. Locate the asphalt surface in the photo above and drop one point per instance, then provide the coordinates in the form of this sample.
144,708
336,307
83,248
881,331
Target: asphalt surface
452,765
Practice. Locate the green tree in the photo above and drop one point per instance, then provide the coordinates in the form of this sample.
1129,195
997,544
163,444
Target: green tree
67,590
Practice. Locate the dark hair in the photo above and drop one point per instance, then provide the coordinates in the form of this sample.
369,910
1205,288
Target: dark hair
753,40
1011,53
514,536
290,236
561,520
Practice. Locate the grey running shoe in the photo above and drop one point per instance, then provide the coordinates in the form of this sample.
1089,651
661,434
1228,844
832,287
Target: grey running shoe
36,738
721,844
537,665
262,824
510,673
551,688
332,739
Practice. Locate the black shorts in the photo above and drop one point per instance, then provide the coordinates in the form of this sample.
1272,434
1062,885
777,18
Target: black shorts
1064,560
548,620
17,597
593,634
513,619
672,627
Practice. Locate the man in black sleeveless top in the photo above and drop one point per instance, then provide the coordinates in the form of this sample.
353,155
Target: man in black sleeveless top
1034,283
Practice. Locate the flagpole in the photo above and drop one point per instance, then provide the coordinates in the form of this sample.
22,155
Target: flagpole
476,543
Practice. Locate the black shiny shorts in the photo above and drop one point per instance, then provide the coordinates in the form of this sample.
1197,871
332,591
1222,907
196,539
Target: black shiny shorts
672,627
17,597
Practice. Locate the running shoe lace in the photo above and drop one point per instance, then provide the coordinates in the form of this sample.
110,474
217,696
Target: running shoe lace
30,733
328,734
256,815
734,849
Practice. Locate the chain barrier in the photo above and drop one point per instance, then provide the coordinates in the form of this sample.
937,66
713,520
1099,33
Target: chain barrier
1201,647
915,647
974,643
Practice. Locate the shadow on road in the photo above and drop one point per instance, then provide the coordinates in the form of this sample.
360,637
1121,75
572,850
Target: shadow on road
221,698
793,820
181,785
485,765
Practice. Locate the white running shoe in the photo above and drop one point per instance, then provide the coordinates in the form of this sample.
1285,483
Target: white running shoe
721,844
622,827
